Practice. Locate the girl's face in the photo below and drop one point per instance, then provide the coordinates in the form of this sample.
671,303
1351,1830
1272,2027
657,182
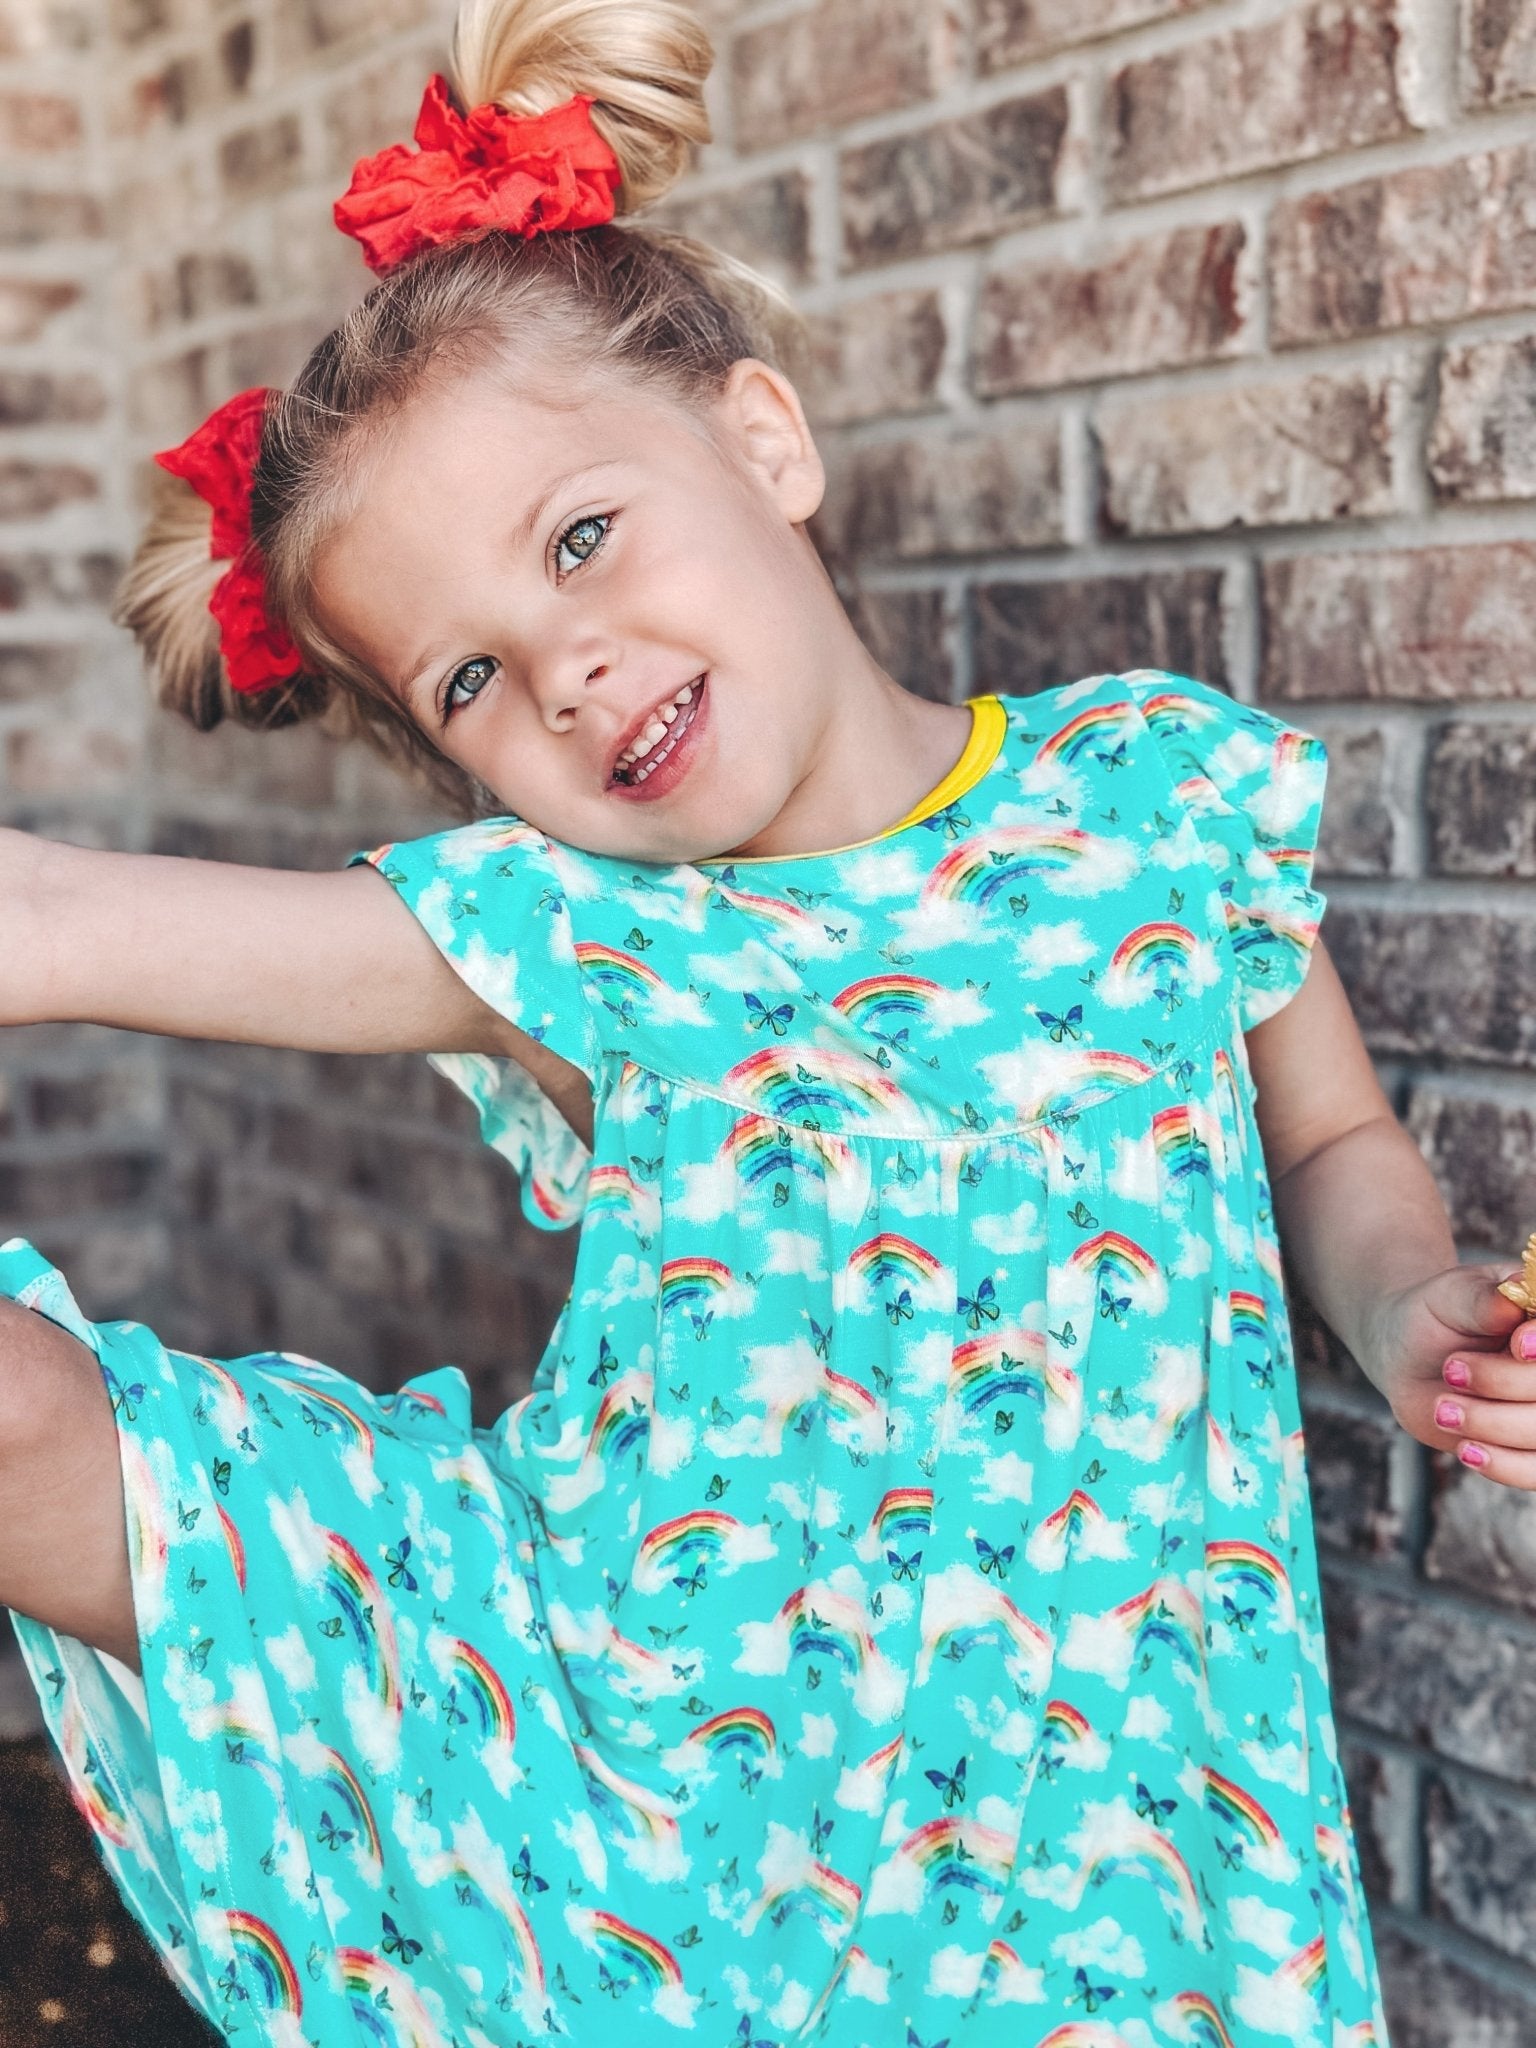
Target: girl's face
608,613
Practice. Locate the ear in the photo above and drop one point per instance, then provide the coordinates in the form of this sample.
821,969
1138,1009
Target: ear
761,415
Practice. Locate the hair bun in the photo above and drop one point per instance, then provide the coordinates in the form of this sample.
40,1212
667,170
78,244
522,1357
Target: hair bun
642,63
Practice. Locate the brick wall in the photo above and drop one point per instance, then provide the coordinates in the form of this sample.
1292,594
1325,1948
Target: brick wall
1195,332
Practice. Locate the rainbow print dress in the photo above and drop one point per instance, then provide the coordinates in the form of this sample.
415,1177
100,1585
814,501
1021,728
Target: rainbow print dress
891,1619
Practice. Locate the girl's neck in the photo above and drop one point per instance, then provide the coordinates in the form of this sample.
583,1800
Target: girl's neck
877,753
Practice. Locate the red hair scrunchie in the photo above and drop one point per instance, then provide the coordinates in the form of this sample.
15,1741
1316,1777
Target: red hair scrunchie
219,462
486,170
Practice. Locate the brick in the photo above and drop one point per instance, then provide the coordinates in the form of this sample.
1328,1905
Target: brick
765,222
959,494
1011,31
114,1096
836,62
1432,2001
1424,625
36,398
1159,303
907,631
30,673
28,219
1478,795
1361,822
1498,52
262,158
1383,1801
1483,1538
1452,984
1456,1682
1436,242
1481,1863
38,123
1030,636
294,766
876,356
28,306
1320,78
237,55
955,182
1482,445
134,21
307,27
1480,1151
30,490
77,759
1360,1467
1265,455
374,107
62,1187
199,283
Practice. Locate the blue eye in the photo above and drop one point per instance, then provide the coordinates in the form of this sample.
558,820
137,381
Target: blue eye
581,541
466,683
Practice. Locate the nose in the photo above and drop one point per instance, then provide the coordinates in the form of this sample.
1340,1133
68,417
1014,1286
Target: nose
562,678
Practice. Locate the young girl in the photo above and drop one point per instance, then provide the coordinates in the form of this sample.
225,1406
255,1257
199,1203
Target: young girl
892,1616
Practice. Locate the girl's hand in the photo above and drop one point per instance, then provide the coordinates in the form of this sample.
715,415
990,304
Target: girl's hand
1446,1357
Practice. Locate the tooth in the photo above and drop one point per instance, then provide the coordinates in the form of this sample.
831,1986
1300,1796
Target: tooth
685,694
669,712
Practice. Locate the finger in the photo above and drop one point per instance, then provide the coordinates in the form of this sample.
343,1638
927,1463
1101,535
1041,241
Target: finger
1492,1375
1522,1339
1468,1298
1516,1469
1502,1425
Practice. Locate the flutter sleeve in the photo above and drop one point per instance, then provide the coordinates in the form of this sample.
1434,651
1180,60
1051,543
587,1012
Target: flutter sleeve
491,898
1253,789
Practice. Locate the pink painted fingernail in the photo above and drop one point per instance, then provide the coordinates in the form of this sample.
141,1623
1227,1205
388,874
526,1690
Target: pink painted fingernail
1473,1454
1449,1415
1525,1343
1457,1373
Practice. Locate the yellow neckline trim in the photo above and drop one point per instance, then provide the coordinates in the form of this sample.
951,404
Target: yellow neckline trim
989,724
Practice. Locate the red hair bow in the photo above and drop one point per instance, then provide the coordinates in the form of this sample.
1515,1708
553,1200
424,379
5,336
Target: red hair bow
219,461
484,170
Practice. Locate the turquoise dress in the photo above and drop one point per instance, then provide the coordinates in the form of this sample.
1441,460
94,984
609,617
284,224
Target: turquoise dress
891,1618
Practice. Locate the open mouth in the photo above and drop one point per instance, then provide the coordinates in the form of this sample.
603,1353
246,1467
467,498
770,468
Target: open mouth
652,748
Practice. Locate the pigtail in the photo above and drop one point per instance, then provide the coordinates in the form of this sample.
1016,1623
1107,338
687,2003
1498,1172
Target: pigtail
642,63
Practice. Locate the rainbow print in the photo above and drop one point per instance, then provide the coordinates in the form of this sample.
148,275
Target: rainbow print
964,1611
635,1811
747,1729
623,1419
476,1682
337,1413
989,1371
1116,1261
862,1787
261,1957
1308,1968
1250,1319
146,1522
843,1087
885,1003
784,917
1068,1083
822,1623
904,1515
1006,1979
612,1190
1161,955
631,1955
617,974
1063,1727
1004,859
1199,2020
245,1744
686,1539
761,1148
693,1284
1171,713
890,1259
1083,2034
1246,1569
233,1544
340,1780
90,1787
1180,1150
384,2001
1165,1614
1137,1850
1333,1863
953,1853
367,1615
1238,1810
1100,725
816,1890
1055,1539
229,1390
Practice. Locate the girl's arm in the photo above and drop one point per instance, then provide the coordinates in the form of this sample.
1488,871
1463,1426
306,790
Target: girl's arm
200,949
1365,1230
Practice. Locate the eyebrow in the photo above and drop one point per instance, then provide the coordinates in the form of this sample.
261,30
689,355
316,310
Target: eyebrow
521,534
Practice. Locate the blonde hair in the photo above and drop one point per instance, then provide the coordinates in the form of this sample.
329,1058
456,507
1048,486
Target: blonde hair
641,302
